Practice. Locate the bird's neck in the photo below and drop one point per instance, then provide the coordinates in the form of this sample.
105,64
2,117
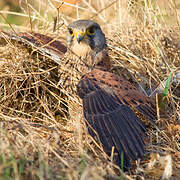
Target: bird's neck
92,58
101,60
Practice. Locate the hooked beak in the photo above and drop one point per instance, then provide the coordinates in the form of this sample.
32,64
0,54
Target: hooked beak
79,36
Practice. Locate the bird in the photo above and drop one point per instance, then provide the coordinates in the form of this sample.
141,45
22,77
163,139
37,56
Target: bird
108,100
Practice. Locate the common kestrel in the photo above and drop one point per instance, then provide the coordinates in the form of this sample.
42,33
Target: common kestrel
108,100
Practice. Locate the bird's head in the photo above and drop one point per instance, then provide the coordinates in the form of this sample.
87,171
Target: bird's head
86,39
85,33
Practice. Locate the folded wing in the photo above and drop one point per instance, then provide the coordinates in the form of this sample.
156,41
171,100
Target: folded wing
46,45
107,101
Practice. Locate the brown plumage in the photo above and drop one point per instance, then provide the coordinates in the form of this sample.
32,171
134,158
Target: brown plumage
107,101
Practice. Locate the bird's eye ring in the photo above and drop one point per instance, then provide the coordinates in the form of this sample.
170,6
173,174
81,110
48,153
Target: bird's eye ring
70,31
91,31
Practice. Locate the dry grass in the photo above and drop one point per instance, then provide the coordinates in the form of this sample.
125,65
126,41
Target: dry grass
38,139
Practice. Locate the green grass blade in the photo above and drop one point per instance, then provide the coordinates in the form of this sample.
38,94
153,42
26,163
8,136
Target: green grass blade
165,92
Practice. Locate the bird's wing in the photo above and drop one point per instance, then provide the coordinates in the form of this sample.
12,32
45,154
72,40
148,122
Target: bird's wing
107,101
44,44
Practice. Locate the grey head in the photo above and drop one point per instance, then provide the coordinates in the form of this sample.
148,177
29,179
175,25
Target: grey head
86,32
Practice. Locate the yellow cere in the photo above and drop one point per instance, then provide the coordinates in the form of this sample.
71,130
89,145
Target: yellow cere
79,33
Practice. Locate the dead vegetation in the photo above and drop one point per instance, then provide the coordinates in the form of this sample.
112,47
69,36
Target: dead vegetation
38,139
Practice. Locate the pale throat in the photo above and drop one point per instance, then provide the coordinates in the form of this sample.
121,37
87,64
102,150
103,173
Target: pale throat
81,49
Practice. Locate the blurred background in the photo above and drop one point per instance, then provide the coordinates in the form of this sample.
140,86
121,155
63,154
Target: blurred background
110,13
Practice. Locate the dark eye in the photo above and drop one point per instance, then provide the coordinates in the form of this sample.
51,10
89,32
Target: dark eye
91,31
70,31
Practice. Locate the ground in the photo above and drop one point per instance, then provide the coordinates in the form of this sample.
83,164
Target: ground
38,138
